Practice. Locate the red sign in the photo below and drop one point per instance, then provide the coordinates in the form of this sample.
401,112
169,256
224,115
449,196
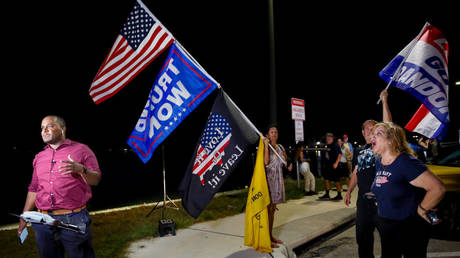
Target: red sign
298,109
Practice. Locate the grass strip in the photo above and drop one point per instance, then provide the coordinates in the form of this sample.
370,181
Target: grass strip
113,232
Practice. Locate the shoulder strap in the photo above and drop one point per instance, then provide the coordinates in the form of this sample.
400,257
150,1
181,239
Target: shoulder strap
281,147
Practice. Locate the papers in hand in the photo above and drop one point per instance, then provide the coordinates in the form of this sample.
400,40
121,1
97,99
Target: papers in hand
23,236
40,218
37,217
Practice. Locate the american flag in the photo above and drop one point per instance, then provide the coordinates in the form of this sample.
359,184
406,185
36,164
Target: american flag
215,138
140,41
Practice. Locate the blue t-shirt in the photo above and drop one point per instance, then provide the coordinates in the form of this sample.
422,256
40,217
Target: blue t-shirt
397,199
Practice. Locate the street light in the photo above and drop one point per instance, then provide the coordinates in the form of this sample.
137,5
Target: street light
457,83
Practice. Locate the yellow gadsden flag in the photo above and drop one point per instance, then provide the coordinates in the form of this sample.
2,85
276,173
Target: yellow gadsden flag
256,233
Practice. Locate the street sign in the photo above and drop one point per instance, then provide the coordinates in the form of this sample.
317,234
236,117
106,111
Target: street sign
298,115
298,109
299,131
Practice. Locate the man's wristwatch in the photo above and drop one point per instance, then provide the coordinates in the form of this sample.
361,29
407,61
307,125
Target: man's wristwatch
85,170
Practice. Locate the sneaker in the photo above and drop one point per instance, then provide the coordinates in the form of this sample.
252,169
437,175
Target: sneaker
313,193
337,198
324,197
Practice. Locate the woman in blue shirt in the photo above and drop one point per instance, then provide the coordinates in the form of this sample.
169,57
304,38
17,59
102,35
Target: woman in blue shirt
405,190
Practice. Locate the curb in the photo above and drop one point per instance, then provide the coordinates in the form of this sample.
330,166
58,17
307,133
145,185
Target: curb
307,229
324,231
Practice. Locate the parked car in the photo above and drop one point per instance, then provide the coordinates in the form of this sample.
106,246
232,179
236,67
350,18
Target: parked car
447,167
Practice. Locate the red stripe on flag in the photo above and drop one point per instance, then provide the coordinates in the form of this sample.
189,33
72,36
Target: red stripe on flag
203,79
120,48
210,161
130,76
418,116
197,163
109,57
150,147
199,95
116,64
138,138
120,63
138,54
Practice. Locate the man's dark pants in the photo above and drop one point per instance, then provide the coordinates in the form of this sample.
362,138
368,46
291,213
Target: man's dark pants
53,242
366,223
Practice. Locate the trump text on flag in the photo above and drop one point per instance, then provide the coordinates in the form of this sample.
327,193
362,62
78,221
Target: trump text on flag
179,88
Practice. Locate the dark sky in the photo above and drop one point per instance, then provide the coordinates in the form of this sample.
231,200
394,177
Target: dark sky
327,54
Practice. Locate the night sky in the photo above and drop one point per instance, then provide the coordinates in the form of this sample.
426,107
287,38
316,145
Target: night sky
327,54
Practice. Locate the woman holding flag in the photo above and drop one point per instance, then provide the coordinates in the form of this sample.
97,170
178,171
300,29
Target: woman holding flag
274,170
406,192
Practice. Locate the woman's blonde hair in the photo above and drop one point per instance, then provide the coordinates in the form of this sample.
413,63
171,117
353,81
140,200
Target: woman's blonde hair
396,136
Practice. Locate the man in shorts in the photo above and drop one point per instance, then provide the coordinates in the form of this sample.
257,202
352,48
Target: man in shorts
330,173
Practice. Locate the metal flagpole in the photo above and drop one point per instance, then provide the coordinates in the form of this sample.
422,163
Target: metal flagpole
396,74
272,79
255,129
165,226
165,196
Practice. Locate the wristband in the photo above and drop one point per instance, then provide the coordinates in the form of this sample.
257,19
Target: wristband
423,209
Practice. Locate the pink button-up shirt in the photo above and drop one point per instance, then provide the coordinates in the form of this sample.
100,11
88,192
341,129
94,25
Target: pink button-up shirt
57,191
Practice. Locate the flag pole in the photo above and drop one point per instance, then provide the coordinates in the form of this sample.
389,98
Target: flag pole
396,74
272,66
196,62
255,129
166,198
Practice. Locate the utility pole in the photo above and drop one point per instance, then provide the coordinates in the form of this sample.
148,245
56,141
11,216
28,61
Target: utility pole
272,76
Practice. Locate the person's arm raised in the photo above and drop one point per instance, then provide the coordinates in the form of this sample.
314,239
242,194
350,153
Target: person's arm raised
385,108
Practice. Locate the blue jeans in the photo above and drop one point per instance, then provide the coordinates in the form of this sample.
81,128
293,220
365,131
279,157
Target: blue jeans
53,242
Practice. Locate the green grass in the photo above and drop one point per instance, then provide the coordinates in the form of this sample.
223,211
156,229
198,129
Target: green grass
113,232
292,192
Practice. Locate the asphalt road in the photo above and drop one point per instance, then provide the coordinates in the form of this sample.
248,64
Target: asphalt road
343,244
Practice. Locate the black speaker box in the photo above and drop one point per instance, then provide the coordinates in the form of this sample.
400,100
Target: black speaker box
166,227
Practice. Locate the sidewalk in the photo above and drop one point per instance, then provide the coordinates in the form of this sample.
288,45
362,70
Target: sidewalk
296,222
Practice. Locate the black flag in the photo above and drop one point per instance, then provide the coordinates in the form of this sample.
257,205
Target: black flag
221,147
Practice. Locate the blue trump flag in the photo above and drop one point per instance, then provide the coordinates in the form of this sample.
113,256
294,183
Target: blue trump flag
179,88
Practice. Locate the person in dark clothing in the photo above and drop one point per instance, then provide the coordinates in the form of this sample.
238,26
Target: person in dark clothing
333,155
363,176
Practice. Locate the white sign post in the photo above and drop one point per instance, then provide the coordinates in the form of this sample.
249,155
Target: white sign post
298,131
298,109
298,115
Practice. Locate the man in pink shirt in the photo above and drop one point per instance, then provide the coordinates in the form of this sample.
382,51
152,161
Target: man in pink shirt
60,187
